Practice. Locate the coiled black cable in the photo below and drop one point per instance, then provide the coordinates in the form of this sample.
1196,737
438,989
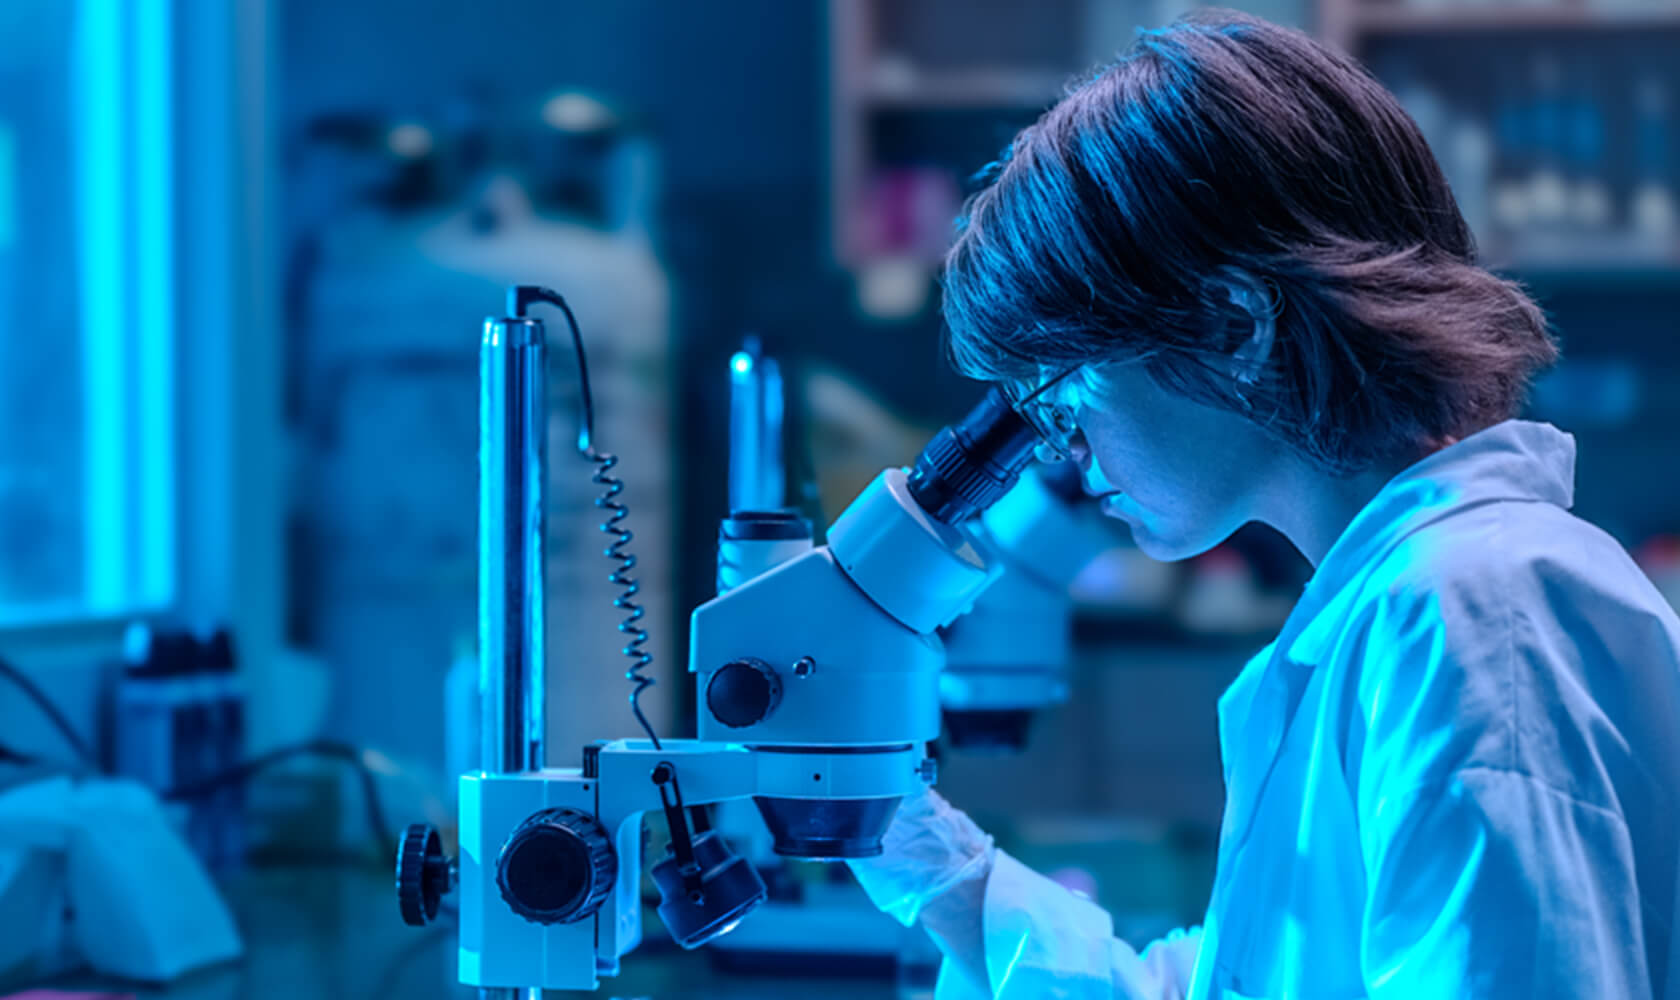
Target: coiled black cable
633,612
608,501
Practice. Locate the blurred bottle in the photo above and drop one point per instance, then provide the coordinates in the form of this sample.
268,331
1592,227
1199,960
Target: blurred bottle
906,230
1425,106
1460,142
594,164
1589,194
178,718
1512,153
1548,195
1659,557
1468,161
1652,210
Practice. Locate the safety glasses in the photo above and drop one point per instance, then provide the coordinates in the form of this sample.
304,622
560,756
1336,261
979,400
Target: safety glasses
1053,421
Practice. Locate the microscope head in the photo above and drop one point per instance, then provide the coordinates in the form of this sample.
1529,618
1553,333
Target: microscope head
827,664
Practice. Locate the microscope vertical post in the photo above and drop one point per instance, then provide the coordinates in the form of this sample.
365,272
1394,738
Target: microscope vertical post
755,430
513,479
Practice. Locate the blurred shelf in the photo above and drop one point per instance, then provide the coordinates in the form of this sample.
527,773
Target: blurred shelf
1610,275
1543,274
964,90
1373,21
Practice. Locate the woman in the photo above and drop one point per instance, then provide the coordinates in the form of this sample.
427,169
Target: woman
1229,277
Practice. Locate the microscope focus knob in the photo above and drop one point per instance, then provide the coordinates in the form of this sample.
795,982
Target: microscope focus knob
557,867
423,874
743,693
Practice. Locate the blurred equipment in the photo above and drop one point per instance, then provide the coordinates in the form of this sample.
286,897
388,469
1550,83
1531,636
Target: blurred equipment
786,664
382,287
1010,656
757,472
178,719
92,875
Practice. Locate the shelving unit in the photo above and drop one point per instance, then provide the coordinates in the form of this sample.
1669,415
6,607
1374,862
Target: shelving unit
899,58
1570,29
967,89
896,72
1349,23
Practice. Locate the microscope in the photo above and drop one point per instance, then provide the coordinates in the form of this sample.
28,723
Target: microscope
1012,654
817,675
1005,661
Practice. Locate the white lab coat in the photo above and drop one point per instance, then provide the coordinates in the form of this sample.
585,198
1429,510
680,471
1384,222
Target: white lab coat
1454,774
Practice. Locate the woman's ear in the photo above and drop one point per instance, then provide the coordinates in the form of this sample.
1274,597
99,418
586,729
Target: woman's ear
1261,302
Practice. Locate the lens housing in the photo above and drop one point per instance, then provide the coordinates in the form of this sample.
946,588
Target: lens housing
968,465
729,890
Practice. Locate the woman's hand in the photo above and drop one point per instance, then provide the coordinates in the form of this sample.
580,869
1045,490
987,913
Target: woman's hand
930,848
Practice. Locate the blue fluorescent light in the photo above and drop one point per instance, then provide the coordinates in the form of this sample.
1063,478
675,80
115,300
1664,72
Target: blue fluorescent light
8,186
123,140
101,245
152,522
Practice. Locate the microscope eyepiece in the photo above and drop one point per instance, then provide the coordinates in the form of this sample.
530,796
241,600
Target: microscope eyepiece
970,464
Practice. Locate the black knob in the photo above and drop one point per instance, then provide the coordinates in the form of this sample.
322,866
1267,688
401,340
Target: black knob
423,874
743,693
557,867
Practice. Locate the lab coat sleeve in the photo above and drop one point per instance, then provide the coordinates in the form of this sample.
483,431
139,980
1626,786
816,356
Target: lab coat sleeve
1040,940
1484,879
1494,885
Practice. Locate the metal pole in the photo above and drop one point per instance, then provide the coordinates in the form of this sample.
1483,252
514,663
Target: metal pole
512,499
756,474
512,482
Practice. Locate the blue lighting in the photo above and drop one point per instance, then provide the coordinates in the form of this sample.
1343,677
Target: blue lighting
742,363
123,166
154,525
8,186
103,245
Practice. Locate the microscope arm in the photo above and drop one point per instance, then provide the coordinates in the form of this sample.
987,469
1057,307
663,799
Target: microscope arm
816,702
818,684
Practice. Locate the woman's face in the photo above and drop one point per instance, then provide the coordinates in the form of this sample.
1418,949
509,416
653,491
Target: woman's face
1184,476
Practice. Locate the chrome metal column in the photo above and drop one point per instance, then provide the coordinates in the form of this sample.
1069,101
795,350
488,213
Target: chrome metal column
512,483
512,488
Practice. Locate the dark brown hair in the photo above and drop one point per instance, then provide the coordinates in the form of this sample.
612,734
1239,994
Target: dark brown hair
1222,150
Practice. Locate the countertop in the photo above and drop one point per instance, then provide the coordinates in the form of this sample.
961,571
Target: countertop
329,933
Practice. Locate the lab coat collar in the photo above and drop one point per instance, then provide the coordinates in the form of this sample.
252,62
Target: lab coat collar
1511,461
1514,460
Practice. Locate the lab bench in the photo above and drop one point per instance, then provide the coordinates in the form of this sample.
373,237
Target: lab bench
333,933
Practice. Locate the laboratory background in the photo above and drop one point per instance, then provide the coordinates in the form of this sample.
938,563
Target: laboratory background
248,249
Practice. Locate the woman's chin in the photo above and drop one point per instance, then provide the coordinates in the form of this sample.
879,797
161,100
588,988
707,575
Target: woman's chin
1164,548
